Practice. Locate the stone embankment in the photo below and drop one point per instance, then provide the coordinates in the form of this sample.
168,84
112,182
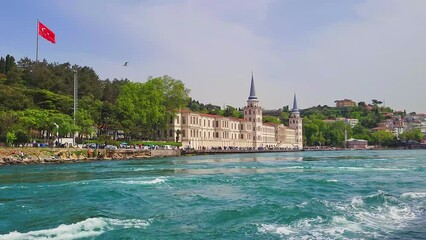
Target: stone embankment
12,156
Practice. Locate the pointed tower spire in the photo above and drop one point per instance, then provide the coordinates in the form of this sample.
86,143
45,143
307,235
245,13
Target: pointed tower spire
252,89
295,109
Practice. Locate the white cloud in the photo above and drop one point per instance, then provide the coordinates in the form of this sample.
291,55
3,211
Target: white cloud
206,46
378,56
213,46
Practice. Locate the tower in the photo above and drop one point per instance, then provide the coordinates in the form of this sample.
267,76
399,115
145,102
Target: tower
253,114
295,122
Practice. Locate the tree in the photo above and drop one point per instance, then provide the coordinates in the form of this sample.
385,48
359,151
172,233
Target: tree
8,121
412,135
51,101
2,65
232,112
310,130
14,76
315,131
33,120
10,138
376,102
85,123
286,108
271,119
9,63
360,132
336,133
383,138
65,123
21,137
14,98
151,105
362,104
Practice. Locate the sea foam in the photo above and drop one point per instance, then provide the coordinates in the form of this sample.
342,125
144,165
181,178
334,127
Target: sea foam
144,182
88,228
271,228
360,215
414,195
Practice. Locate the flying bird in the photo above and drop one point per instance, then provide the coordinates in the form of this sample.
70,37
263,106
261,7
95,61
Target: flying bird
125,64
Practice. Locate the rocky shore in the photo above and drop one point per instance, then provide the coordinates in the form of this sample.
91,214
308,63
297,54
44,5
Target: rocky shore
12,156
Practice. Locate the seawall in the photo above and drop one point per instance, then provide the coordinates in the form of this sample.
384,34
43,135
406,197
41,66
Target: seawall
12,156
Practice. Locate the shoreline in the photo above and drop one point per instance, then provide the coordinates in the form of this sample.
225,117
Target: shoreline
29,155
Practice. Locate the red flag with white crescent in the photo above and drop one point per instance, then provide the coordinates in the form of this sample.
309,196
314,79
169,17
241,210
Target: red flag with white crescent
46,33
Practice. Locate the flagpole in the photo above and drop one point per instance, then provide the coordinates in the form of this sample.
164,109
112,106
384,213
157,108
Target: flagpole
37,43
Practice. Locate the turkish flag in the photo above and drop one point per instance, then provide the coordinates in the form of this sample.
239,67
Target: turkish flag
46,33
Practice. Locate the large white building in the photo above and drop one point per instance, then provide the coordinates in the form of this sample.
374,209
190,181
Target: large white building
206,131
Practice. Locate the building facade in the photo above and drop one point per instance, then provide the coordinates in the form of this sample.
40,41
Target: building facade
357,143
206,131
345,103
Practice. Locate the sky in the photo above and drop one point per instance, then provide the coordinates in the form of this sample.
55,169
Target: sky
322,50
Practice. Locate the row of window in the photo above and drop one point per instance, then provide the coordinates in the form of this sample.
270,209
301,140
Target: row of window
254,119
225,135
268,130
210,134
193,120
254,112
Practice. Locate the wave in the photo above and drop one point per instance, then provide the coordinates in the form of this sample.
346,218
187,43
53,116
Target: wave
6,187
373,216
414,195
147,182
88,228
296,167
271,228
372,169
331,180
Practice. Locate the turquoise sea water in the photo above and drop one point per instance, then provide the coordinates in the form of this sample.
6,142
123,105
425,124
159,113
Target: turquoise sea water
304,195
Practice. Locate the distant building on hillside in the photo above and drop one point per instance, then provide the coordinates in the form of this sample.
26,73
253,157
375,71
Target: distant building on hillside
350,121
416,121
353,143
345,103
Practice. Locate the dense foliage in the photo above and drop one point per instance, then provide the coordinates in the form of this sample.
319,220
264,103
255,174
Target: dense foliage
36,102
228,111
321,128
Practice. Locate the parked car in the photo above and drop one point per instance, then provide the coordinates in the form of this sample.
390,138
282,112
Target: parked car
91,145
124,145
110,147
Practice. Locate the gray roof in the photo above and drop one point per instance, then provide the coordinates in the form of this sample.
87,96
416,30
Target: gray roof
295,109
252,89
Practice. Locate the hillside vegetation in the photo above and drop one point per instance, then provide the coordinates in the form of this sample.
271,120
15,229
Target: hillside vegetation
35,98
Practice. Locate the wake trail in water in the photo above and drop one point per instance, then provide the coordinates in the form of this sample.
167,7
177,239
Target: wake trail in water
144,182
91,227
